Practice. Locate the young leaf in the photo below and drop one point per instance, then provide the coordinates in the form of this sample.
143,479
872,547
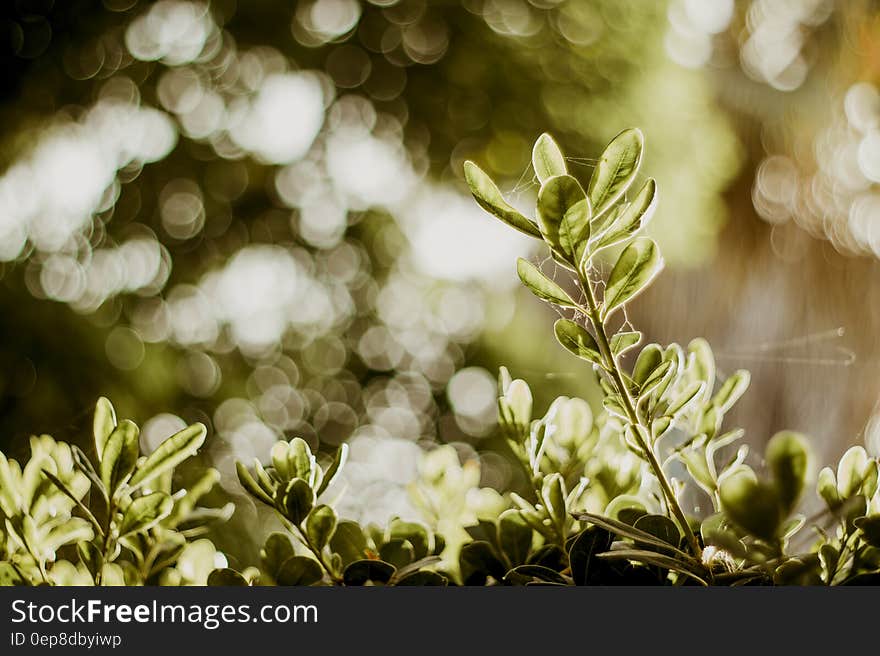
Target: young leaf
690,392
170,453
250,484
320,525
335,467
541,286
564,216
577,340
635,269
616,169
788,455
732,389
649,359
103,424
295,501
145,512
851,471
630,220
826,486
547,158
120,455
623,342
489,198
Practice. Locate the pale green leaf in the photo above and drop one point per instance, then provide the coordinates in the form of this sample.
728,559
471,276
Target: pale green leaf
564,216
624,341
103,424
120,455
616,169
170,453
577,340
630,220
488,196
547,158
635,269
145,512
541,286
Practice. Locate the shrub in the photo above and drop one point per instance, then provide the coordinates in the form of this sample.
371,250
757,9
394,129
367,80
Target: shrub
602,507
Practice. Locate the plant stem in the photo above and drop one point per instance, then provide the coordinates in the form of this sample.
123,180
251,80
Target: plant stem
304,538
592,312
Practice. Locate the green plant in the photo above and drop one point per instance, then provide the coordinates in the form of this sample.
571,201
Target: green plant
111,520
668,406
601,506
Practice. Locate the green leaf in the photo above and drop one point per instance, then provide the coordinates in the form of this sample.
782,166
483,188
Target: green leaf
299,570
83,463
649,359
478,560
399,552
335,467
422,578
616,169
660,527
250,484
348,541
415,533
564,216
72,531
624,341
584,548
553,494
541,286
275,551
826,486
851,470
750,504
870,528
226,577
547,158
361,571
525,574
658,560
120,455
486,194
295,500
636,267
73,497
514,537
10,576
577,340
627,531
145,512
103,424
320,525
691,391
629,221
170,453
732,389
788,455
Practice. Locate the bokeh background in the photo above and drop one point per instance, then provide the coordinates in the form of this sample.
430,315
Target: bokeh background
252,214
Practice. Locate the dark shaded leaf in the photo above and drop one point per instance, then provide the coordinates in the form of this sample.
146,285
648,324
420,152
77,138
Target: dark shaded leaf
361,571
299,570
